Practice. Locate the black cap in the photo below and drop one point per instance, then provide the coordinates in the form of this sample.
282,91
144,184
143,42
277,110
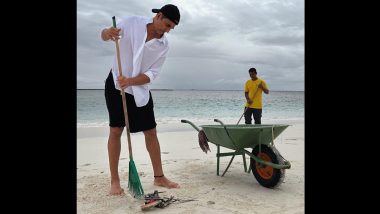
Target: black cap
170,11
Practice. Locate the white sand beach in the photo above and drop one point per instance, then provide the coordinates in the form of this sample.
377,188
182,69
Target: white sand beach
185,163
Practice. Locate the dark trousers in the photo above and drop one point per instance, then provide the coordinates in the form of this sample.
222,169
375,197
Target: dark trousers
256,115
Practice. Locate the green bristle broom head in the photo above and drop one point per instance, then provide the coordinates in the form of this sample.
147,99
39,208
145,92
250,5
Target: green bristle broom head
134,184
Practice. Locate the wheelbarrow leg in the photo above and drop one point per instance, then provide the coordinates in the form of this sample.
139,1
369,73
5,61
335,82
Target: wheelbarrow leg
245,164
217,159
229,164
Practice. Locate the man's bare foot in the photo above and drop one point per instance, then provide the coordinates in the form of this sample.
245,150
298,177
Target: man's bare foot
164,182
116,189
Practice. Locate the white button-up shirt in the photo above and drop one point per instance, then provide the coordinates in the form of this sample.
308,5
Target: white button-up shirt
139,57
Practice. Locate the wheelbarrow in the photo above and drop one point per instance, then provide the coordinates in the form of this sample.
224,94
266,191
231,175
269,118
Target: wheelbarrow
267,164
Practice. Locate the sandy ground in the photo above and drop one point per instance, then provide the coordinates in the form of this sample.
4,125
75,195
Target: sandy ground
185,163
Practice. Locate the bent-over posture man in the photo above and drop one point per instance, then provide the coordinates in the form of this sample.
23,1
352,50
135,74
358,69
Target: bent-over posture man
143,49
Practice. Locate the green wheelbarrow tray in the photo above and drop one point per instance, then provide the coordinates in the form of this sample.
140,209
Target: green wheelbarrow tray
241,137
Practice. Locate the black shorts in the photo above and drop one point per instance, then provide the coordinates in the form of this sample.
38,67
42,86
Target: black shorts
139,118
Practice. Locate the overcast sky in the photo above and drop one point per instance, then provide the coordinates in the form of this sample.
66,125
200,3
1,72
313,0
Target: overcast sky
214,45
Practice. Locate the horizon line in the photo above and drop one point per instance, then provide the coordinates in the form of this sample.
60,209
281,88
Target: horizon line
168,89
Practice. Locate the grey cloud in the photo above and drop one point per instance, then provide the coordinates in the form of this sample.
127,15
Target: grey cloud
214,45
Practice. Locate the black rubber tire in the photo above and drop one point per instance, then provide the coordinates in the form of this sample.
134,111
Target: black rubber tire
276,176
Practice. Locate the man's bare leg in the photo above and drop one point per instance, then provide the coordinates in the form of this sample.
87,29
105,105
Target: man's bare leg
153,147
114,147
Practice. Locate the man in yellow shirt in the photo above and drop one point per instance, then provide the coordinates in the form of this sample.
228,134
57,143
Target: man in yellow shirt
253,91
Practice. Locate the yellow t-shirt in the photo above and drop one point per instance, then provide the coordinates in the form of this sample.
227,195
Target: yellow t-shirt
251,87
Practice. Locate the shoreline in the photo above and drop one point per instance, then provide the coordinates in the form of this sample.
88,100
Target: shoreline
102,131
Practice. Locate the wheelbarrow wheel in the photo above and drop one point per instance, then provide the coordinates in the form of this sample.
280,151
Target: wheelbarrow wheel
267,176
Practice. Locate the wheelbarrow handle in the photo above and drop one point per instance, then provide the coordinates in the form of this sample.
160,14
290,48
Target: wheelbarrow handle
194,126
218,121
228,134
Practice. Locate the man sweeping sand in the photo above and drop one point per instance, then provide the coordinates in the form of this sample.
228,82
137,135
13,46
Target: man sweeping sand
143,49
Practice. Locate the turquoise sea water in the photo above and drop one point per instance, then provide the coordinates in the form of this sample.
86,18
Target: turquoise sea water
170,106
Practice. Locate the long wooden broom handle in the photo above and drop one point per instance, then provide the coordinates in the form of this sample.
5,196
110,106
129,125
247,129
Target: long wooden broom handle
123,94
257,88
